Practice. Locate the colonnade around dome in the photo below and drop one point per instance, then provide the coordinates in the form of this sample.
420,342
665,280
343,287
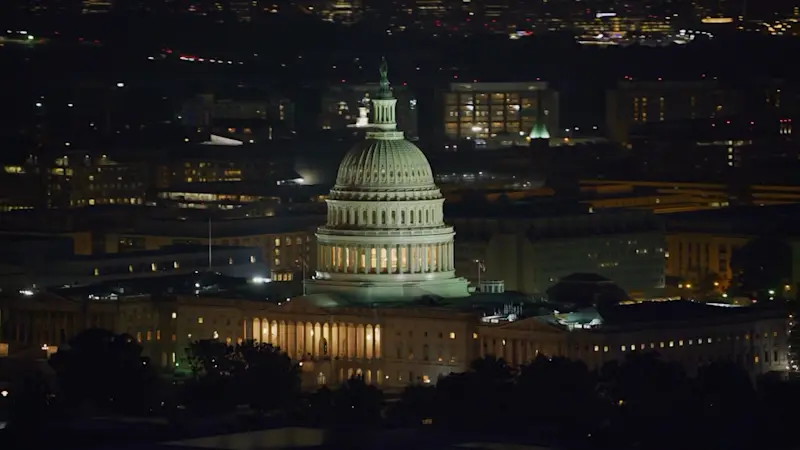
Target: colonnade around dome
406,214
386,259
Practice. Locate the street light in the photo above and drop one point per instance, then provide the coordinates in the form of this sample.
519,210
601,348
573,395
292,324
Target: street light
304,266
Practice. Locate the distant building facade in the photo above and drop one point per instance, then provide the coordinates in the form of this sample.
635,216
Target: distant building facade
342,107
532,255
480,111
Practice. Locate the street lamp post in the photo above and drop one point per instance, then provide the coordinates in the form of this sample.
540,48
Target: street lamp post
303,266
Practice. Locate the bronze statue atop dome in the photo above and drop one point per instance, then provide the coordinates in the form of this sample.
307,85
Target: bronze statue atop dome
385,90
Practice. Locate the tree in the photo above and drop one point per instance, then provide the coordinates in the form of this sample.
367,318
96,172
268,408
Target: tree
417,403
27,406
106,371
709,285
226,375
652,399
566,387
357,404
477,398
728,404
763,264
269,378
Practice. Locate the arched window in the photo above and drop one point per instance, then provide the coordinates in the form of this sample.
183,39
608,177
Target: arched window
402,217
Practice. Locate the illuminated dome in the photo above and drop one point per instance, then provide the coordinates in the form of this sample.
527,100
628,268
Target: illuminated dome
385,239
382,163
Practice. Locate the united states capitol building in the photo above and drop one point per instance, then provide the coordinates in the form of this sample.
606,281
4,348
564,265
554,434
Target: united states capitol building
385,301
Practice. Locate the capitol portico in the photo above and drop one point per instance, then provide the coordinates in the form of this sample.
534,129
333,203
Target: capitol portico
385,239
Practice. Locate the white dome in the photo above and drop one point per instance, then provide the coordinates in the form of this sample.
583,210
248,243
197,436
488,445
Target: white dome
382,163
385,238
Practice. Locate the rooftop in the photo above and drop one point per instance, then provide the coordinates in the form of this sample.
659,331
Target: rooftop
679,311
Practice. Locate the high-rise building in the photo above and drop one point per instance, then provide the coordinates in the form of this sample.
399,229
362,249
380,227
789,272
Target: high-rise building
479,111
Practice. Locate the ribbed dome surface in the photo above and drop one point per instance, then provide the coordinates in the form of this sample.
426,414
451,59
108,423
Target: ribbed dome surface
384,163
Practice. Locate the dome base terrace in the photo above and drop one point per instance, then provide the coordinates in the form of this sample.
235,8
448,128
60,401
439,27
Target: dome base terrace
389,291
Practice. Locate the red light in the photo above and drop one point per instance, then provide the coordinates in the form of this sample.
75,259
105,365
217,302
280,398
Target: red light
344,81
728,122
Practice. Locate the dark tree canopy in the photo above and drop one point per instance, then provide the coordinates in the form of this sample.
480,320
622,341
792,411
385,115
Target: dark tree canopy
106,371
260,375
762,264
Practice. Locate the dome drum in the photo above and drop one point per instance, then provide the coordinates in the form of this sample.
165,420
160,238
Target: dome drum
388,215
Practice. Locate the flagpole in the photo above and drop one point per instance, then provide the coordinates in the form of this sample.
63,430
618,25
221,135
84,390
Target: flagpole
479,265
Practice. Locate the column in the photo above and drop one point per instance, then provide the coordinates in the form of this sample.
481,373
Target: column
412,253
438,257
425,257
451,256
398,254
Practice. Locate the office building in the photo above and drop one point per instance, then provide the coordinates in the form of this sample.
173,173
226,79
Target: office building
479,111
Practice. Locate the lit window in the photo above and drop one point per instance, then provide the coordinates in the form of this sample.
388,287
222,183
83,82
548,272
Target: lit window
277,242
230,260
139,336
452,335
672,344
597,348
605,348
176,265
252,259
680,343
96,272
504,342
661,344
277,261
153,267
149,335
130,268
199,320
709,340
174,315
158,335
755,359
474,335
624,348
691,341
652,345
174,337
